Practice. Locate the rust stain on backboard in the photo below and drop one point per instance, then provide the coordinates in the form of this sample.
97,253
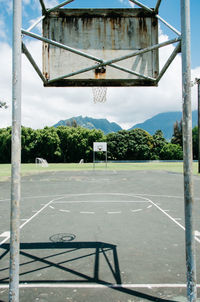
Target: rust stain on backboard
105,34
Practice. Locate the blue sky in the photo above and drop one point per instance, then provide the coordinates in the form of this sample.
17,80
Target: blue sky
169,10
125,106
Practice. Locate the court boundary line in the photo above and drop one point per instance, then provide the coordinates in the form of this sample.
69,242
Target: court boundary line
115,194
88,194
94,285
170,217
29,219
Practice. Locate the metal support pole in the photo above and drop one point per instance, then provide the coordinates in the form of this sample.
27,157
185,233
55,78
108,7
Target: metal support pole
187,152
43,6
16,154
198,85
59,5
157,6
93,159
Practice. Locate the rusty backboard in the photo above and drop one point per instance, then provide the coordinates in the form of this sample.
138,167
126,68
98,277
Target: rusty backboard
104,34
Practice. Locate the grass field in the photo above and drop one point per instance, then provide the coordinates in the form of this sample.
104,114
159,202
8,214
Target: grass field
5,169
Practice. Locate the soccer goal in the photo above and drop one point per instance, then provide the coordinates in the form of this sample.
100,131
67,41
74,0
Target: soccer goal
41,162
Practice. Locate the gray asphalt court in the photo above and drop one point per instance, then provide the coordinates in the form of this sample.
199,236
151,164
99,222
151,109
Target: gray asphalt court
100,236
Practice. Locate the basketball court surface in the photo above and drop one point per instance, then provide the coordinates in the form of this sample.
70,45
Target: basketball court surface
100,236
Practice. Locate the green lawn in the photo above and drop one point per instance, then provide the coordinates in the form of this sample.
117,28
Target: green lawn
5,169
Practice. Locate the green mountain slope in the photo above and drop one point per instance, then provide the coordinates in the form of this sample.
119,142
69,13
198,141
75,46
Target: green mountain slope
91,123
162,121
165,122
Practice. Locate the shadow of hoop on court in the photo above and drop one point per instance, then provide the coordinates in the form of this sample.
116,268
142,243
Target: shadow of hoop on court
85,256
72,263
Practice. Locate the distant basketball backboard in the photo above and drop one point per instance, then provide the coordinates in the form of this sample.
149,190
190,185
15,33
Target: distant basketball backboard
99,146
90,40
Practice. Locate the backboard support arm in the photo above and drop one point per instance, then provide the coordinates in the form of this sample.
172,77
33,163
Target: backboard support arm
157,6
43,6
169,61
159,17
59,6
102,62
33,63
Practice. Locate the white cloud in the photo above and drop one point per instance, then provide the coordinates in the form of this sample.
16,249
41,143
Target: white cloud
5,79
51,3
126,106
7,6
2,28
131,4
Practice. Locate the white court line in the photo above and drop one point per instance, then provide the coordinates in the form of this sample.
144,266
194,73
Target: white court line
94,285
83,212
7,199
101,201
5,234
68,211
44,196
2,242
164,196
117,212
173,219
138,210
89,194
28,220
197,233
155,195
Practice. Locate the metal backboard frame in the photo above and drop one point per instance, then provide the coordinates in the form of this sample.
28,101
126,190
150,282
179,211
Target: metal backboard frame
136,64
182,41
96,36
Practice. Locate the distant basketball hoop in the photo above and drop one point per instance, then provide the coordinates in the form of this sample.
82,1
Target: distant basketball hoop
99,147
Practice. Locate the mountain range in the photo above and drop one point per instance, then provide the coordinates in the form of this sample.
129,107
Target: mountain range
162,121
165,122
91,123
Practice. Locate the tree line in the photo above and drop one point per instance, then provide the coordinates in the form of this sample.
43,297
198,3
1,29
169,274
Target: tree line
72,143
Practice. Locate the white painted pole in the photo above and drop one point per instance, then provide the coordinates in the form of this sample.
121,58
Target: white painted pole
16,153
187,152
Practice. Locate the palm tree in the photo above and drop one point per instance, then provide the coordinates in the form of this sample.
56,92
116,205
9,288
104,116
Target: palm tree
177,137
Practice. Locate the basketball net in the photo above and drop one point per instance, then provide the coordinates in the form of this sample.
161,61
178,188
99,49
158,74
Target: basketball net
99,94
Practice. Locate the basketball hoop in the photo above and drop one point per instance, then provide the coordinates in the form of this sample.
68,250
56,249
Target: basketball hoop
99,94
